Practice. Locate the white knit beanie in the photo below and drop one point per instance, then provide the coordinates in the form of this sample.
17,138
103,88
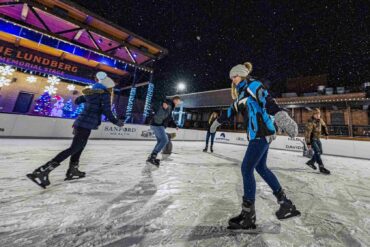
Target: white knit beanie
105,80
101,75
239,70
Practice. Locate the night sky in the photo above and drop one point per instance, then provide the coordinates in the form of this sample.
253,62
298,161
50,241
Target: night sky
206,38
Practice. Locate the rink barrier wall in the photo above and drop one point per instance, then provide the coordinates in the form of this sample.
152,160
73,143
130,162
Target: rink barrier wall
23,126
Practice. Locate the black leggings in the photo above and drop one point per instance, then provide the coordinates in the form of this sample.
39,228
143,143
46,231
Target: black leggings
81,135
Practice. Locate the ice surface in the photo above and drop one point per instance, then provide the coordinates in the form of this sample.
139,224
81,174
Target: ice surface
187,202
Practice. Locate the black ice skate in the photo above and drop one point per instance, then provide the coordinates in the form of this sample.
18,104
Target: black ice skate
152,159
205,149
323,170
246,220
311,164
211,149
41,175
287,208
73,172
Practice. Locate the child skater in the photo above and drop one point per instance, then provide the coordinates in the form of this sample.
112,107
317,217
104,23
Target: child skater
211,133
97,102
252,98
314,127
162,119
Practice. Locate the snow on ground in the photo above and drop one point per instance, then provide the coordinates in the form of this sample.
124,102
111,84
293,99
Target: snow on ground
187,202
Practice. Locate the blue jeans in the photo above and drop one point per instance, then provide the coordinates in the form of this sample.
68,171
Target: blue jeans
212,135
255,158
162,138
317,149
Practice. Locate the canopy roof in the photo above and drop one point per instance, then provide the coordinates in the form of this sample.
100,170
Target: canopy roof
222,98
69,22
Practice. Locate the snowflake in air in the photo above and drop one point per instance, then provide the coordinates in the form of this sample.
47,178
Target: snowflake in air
53,80
6,70
71,87
4,81
31,79
51,89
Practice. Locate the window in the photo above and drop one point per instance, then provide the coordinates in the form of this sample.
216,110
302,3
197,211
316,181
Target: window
23,103
337,118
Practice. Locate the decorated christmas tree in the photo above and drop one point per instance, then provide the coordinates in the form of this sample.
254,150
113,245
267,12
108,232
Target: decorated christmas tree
68,109
43,105
78,110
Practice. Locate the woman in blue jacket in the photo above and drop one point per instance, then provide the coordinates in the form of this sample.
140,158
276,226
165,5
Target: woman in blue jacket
251,98
97,102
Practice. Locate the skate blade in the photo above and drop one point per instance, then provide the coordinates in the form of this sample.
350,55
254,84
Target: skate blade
152,166
312,167
35,181
252,230
291,215
73,178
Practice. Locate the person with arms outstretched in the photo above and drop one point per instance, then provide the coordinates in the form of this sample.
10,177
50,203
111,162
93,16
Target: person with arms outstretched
252,99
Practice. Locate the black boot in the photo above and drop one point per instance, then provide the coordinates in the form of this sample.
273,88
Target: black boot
311,163
246,220
205,149
323,170
211,149
287,208
152,159
40,176
73,172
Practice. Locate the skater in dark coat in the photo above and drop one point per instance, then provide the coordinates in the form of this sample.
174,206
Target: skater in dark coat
211,133
161,119
97,102
314,128
252,99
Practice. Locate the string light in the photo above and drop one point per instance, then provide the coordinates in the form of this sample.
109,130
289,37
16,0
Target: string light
6,70
4,81
53,80
51,89
31,79
71,87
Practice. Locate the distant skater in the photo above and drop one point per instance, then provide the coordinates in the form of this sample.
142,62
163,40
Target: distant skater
161,119
211,132
314,128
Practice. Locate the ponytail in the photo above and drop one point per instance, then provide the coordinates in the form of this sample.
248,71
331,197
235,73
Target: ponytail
234,91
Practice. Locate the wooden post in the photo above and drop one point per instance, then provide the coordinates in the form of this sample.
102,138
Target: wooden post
350,130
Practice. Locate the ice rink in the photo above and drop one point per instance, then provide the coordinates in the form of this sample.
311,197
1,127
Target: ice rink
187,202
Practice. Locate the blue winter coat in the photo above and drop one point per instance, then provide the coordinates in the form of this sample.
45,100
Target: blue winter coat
97,102
259,107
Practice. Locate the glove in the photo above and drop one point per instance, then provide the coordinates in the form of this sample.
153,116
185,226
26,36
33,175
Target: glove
240,105
120,123
214,126
286,123
270,138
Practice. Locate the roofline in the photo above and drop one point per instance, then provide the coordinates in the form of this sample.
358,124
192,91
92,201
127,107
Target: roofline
217,90
79,7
